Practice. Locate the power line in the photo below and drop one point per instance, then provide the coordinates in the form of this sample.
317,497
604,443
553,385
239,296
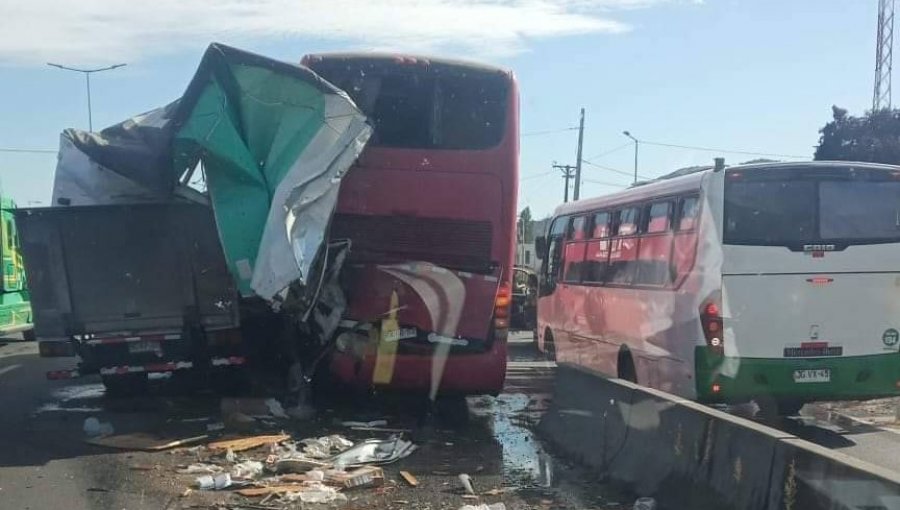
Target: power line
616,170
709,149
605,183
626,144
542,174
30,151
548,132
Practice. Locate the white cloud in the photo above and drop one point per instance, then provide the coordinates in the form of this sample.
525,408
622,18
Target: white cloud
104,31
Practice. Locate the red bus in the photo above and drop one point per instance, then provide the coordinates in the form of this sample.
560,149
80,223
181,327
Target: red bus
430,210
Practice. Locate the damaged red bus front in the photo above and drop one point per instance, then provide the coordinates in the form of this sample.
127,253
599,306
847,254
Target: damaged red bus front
430,211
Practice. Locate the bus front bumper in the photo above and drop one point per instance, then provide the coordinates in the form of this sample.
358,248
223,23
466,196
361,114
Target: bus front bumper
726,380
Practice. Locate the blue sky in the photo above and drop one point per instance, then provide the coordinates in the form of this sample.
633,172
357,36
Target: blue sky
756,75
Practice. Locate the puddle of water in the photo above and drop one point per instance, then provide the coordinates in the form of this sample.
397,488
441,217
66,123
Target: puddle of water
524,460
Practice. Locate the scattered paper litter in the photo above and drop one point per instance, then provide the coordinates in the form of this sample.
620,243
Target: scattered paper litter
326,446
247,469
201,469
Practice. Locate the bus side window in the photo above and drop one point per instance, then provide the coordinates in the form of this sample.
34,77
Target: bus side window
574,251
624,248
596,259
688,208
684,244
656,245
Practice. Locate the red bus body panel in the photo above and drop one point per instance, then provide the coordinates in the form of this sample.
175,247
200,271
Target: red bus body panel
440,186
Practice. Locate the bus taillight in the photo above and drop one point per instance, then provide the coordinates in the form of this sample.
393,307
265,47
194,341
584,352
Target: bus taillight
501,309
711,320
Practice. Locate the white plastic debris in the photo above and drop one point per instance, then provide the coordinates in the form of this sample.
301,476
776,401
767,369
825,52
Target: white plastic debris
217,482
95,428
247,469
200,469
275,408
374,451
316,475
466,482
325,447
492,506
645,504
316,492
229,455
373,423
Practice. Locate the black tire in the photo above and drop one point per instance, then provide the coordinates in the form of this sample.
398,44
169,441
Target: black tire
127,385
28,335
626,369
772,410
788,407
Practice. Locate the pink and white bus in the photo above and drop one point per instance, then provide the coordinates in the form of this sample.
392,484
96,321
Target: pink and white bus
778,283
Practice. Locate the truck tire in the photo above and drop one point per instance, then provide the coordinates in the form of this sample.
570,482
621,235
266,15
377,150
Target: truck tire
127,385
28,335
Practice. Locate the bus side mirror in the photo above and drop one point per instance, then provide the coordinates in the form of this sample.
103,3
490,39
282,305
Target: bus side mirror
540,245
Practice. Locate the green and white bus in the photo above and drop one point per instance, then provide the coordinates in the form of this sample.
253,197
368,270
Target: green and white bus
778,283
15,308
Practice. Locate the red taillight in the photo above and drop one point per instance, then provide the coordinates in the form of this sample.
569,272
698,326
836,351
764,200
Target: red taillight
711,321
716,388
501,306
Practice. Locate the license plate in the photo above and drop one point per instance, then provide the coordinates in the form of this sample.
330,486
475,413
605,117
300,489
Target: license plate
143,346
812,375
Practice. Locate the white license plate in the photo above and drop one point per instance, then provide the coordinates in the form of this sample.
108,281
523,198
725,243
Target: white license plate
812,375
143,346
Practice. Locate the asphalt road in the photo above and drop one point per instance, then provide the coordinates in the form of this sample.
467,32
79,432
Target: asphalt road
45,462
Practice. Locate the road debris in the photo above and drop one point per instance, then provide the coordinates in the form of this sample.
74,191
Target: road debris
247,443
492,506
248,469
142,441
410,479
95,428
218,482
645,504
369,476
466,482
325,447
373,423
375,452
201,469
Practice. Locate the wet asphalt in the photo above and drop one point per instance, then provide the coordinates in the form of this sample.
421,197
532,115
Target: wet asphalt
45,462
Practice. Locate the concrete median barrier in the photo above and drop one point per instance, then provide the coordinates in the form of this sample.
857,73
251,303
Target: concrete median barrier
691,456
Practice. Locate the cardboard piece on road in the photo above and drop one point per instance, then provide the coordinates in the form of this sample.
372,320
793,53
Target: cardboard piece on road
247,443
367,476
142,441
274,489
410,479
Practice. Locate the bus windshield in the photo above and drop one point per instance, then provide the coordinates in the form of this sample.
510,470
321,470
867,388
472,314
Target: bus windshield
788,210
424,106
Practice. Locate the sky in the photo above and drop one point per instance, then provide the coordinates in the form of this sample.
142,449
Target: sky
731,75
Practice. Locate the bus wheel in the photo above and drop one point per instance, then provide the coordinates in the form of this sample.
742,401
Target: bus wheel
28,335
626,368
771,409
549,346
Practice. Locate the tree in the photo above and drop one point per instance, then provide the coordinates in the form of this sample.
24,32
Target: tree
525,226
874,137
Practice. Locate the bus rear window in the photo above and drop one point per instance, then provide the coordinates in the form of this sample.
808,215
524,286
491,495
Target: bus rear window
424,107
812,210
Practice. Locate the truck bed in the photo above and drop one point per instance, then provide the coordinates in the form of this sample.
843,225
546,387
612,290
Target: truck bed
125,268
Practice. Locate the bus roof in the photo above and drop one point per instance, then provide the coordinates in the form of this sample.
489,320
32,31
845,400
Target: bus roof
401,58
652,189
692,181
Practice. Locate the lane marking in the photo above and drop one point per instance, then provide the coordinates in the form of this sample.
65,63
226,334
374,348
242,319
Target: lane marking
10,368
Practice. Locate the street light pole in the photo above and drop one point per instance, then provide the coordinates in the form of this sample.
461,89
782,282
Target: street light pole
636,143
87,78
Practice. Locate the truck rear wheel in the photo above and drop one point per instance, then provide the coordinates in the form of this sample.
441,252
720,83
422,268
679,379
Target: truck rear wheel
126,385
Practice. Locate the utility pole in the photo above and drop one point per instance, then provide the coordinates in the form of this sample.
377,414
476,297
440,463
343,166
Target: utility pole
577,192
87,77
568,172
636,144
881,96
